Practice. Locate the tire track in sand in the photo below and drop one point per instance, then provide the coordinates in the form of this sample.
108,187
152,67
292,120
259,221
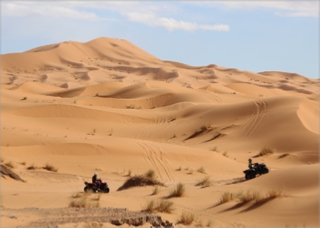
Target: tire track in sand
157,159
260,109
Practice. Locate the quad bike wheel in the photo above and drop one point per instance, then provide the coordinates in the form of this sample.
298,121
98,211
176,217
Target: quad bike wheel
250,175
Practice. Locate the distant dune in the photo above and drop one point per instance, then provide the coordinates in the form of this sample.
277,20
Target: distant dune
108,106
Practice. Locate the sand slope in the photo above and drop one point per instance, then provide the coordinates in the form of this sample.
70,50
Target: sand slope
107,106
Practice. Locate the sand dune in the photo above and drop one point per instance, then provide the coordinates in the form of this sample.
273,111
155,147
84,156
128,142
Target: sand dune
108,106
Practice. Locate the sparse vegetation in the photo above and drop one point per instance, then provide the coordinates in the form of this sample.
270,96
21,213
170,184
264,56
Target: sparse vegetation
203,129
283,155
265,151
32,167
205,182
275,193
178,169
50,167
130,106
201,170
209,223
186,218
23,163
226,197
140,180
215,149
190,171
24,98
150,174
9,165
155,191
249,196
164,206
178,191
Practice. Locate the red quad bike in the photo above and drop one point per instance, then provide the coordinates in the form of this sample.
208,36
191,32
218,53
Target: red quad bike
103,187
257,169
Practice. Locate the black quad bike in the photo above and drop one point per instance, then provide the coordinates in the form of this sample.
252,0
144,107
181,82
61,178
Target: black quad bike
94,187
258,168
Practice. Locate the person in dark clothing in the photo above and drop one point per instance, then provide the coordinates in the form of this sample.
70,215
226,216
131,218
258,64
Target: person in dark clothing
250,164
95,180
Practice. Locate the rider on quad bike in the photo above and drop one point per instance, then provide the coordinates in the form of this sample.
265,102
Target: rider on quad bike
95,180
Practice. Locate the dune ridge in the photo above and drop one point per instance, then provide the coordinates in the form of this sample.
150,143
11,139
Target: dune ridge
108,106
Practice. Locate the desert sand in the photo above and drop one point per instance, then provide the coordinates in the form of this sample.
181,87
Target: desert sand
109,107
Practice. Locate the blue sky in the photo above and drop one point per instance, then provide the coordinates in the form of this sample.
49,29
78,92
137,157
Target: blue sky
248,35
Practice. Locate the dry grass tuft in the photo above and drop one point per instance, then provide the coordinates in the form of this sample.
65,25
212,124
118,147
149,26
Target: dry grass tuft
178,191
10,165
201,170
275,193
164,206
150,174
186,218
249,196
155,191
139,180
265,151
226,197
50,167
205,182
32,167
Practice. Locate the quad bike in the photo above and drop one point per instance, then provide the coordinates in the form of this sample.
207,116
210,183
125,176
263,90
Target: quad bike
96,187
257,169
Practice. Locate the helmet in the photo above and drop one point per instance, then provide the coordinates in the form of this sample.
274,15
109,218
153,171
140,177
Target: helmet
95,174
250,160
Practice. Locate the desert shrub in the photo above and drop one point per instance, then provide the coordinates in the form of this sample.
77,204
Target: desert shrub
50,167
139,180
205,182
32,167
150,174
178,169
209,223
226,197
275,193
266,151
201,170
23,163
9,165
249,196
155,191
178,191
215,149
186,218
190,171
225,154
163,206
